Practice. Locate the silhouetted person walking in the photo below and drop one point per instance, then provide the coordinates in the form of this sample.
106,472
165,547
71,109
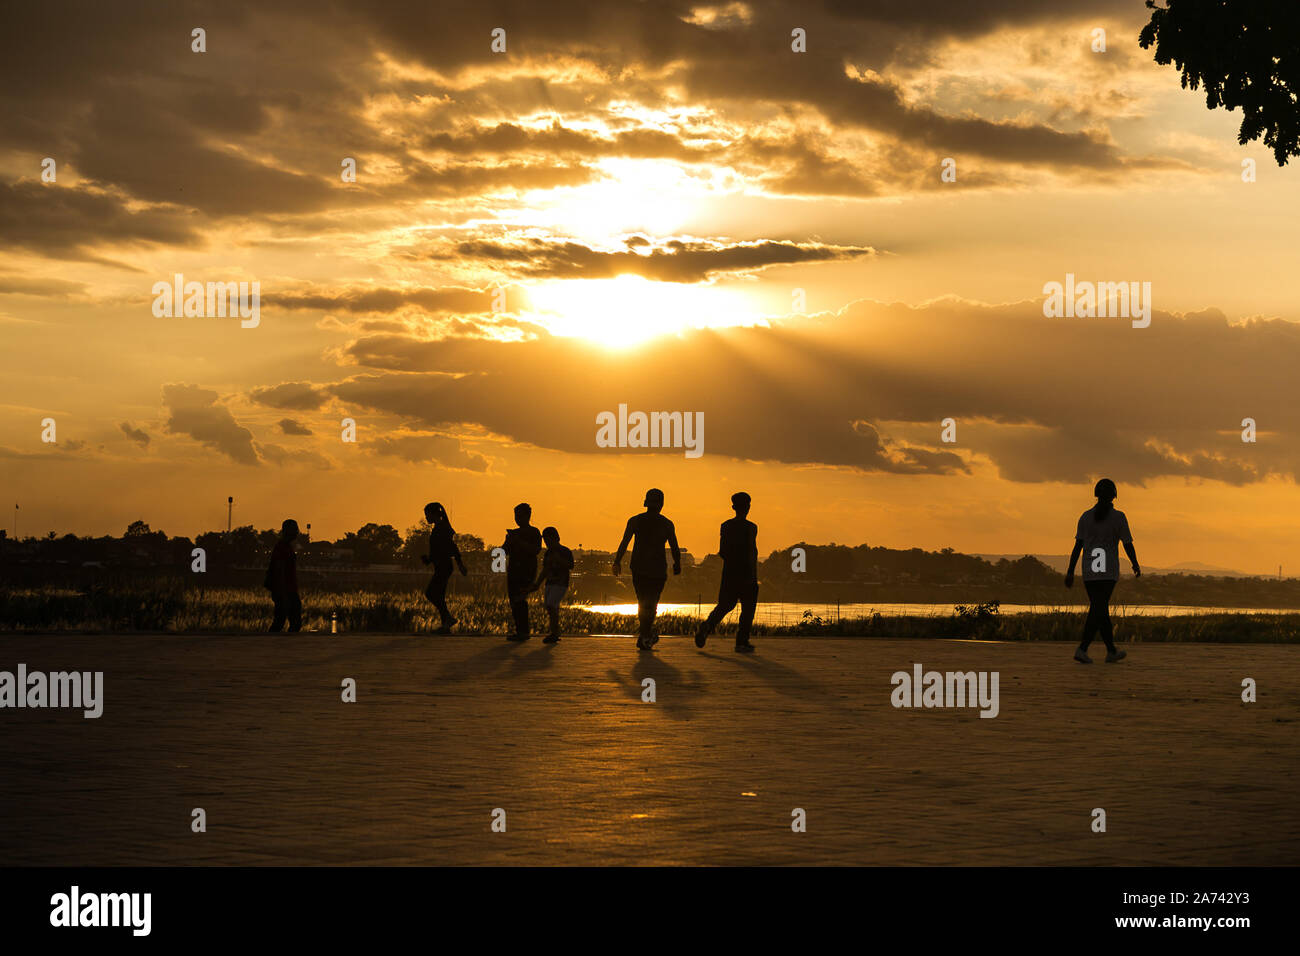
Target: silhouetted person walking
649,567
443,552
738,546
1101,529
282,580
522,545
556,565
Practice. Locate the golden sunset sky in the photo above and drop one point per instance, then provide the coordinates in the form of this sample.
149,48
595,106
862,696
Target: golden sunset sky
650,184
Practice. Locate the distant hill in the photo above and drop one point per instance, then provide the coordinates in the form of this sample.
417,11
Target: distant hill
1058,562
1199,567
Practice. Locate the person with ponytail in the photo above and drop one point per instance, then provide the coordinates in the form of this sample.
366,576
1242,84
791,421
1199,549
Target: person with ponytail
442,553
1100,531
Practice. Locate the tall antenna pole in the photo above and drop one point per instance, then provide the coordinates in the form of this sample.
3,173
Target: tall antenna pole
230,510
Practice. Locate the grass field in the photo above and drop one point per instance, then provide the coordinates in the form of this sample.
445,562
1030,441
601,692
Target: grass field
248,610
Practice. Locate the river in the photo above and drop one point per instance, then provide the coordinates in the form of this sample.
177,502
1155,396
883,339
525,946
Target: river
792,613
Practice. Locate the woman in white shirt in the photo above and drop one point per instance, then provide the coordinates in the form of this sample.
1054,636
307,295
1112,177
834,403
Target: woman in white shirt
1100,531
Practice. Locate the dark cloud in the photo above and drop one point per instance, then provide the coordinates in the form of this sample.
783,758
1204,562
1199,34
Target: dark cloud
290,427
280,456
437,449
741,60
801,166
371,299
52,288
467,179
877,104
256,126
70,221
160,153
675,260
195,412
969,17
560,140
446,325
1073,453
290,396
1046,400
789,162
477,382
137,435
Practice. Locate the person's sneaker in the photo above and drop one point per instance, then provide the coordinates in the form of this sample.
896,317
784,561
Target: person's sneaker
445,629
700,636
745,648
1081,656
654,639
551,639
1114,656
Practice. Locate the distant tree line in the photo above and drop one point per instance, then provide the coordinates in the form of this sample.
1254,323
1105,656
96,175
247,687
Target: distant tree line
830,573
382,544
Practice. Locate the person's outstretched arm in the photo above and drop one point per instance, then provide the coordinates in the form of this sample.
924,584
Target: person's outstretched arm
622,548
677,552
1126,538
1074,559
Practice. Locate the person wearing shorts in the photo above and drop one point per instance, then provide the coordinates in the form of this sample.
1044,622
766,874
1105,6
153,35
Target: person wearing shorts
554,576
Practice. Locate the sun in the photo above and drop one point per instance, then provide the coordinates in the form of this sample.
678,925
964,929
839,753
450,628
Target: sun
651,196
629,309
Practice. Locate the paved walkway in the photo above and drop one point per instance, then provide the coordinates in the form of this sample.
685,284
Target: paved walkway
447,729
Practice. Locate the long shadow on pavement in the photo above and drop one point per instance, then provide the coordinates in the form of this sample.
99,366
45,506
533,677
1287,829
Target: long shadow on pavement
539,658
784,680
481,664
672,688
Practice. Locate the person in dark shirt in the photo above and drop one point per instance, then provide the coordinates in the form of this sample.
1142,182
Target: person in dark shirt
738,546
651,531
282,580
442,553
522,545
556,565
